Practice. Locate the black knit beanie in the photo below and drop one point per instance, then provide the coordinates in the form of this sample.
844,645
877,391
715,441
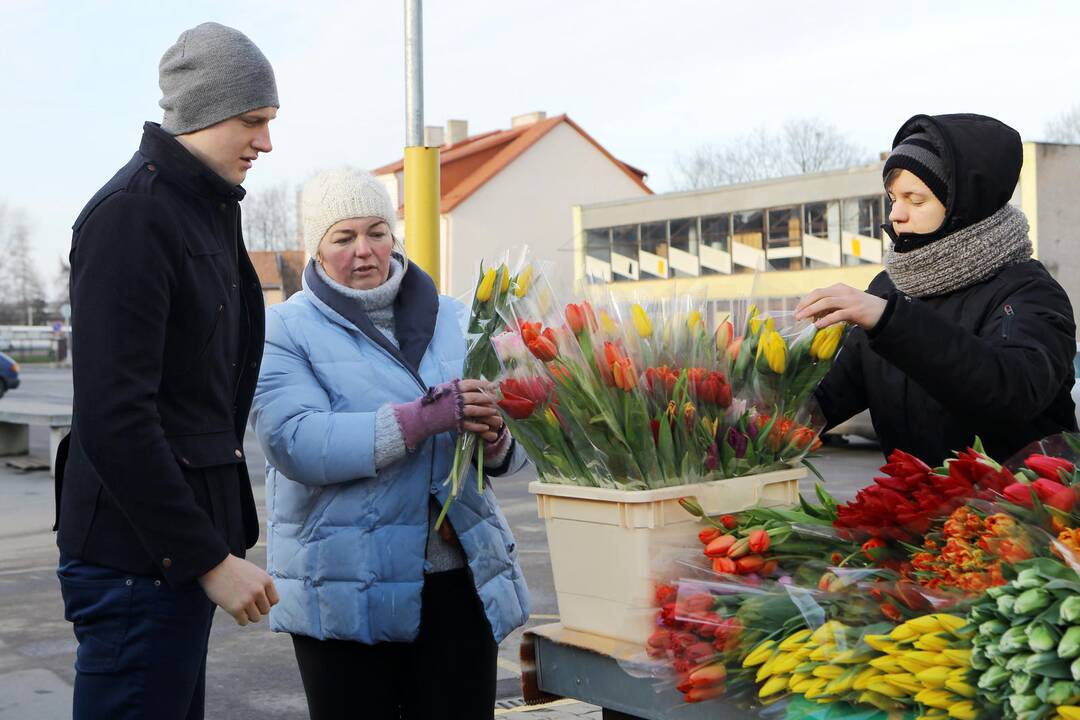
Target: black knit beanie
917,154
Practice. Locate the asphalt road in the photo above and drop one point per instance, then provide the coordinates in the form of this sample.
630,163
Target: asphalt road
251,671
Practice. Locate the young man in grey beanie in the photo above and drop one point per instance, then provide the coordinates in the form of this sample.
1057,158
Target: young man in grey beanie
155,508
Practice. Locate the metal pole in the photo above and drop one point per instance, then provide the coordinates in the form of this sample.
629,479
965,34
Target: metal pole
414,74
422,169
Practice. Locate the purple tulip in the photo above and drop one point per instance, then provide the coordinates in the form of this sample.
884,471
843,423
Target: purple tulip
738,442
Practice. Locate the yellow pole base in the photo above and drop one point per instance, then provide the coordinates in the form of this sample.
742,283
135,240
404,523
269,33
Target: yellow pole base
422,210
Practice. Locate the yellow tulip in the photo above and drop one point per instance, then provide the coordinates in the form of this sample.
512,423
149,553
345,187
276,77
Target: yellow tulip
642,323
925,624
828,633
963,710
773,347
774,685
816,688
504,282
826,342
793,642
934,677
905,681
486,286
829,672
880,643
887,663
607,323
956,657
936,698
881,687
693,320
759,654
960,688
1072,712
933,643
524,282
864,678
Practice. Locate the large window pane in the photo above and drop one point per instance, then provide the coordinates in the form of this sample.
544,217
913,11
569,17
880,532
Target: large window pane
598,244
785,239
654,238
821,235
716,232
747,230
684,235
624,240
863,217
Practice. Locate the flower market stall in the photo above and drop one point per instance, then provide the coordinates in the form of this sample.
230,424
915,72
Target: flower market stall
692,578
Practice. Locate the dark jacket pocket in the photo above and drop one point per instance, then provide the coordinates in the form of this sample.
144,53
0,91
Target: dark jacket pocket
206,450
100,611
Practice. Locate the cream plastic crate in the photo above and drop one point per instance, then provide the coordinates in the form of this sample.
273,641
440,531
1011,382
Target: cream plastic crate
604,542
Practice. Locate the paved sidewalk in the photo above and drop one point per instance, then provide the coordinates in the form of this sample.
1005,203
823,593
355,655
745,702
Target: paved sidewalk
558,710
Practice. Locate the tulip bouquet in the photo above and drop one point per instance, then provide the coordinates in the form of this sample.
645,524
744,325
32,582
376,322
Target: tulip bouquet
496,285
948,592
643,396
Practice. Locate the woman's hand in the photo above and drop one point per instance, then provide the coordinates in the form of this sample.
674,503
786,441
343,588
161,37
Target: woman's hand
841,303
480,412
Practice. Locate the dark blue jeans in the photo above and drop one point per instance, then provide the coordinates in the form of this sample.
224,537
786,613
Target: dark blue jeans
142,644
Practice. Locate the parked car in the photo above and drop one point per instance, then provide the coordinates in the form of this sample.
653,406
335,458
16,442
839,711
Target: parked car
9,374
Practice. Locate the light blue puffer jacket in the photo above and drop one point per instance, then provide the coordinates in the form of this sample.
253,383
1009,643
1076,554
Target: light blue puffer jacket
346,544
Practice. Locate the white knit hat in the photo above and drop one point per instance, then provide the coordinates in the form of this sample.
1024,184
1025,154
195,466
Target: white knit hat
342,194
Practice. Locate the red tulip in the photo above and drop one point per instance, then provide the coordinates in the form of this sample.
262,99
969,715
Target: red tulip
875,549
543,348
749,564
1049,467
518,408
699,602
575,318
759,541
709,534
720,546
724,566
728,521
1018,493
1054,494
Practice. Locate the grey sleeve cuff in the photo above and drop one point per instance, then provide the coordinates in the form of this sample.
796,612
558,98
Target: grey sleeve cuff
389,442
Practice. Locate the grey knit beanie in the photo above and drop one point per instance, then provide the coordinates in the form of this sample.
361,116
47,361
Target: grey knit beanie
342,194
918,154
211,74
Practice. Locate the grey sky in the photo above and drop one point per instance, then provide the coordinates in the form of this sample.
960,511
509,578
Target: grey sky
646,79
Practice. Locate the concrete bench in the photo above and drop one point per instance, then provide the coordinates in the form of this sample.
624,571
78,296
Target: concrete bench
16,417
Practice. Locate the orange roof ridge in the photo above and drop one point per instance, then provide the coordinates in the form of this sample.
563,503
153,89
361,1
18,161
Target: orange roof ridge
507,145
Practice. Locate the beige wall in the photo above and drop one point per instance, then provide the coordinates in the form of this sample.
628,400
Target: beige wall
1057,208
530,203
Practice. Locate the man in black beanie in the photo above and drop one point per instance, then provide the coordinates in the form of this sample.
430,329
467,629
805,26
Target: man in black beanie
964,335
154,505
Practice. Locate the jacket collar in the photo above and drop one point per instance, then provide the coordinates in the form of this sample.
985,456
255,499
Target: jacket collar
416,310
183,168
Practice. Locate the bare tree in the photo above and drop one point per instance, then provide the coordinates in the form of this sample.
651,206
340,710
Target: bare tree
1065,128
803,145
20,283
270,218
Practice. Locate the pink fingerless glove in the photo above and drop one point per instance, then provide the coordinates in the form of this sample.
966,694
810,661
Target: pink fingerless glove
442,409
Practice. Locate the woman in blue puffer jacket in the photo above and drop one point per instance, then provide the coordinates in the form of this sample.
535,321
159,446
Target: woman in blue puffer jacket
357,409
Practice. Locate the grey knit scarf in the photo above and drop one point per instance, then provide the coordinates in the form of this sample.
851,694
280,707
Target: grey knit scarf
378,302
963,258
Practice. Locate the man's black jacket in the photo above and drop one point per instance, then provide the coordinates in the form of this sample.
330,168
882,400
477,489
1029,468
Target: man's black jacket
167,323
992,360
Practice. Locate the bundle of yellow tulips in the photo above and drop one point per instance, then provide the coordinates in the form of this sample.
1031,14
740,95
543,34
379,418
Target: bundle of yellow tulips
923,663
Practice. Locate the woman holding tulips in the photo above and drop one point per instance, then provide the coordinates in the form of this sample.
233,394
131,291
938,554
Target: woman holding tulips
357,409
963,334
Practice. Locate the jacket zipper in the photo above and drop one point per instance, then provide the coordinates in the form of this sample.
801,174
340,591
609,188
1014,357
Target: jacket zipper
1006,325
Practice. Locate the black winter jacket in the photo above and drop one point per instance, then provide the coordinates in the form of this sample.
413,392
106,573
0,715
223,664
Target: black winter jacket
167,339
993,360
